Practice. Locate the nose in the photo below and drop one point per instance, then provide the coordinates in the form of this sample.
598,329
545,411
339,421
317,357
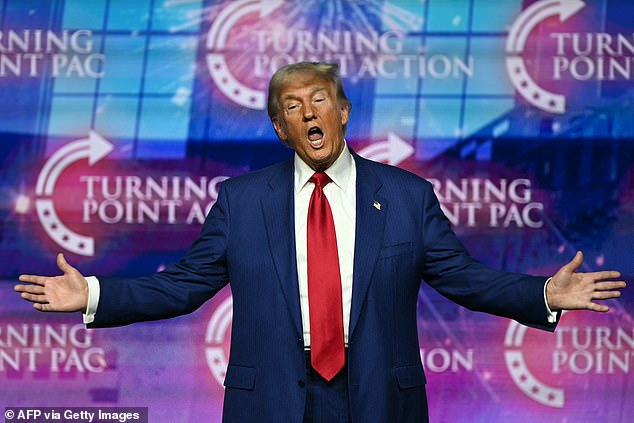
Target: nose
309,113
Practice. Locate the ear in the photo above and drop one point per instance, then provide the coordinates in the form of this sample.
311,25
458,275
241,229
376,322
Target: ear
345,113
280,129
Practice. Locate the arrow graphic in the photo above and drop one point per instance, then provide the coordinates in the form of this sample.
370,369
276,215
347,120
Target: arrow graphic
217,39
535,14
392,151
93,148
524,84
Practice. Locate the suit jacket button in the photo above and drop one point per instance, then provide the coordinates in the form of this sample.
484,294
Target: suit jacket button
301,383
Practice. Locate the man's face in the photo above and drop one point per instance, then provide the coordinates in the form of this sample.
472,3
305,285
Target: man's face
311,120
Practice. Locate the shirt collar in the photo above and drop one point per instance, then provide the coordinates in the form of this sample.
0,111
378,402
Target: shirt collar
340,171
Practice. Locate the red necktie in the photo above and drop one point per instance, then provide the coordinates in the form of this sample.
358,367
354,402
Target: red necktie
324,285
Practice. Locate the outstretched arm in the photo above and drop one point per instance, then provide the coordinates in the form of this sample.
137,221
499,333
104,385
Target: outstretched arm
572,290
67,292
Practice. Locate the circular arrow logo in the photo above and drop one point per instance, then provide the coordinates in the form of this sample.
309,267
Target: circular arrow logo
521,375
93,148
217,36
218,330
516,41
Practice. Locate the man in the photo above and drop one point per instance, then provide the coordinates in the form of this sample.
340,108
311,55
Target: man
359,361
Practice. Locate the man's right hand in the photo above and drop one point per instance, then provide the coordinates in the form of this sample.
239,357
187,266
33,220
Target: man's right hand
68,292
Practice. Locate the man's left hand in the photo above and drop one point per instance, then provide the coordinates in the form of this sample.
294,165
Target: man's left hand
572,290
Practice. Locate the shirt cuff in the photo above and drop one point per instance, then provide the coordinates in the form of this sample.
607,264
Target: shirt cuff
551,315
93,299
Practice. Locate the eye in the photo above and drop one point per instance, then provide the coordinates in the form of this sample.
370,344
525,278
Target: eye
292,106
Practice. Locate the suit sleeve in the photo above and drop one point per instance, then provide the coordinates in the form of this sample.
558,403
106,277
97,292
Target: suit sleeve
179,289
449,269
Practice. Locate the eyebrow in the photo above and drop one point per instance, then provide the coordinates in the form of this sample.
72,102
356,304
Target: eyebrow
292,96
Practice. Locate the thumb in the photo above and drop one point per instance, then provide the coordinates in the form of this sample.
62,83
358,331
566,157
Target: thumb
63,264
575,263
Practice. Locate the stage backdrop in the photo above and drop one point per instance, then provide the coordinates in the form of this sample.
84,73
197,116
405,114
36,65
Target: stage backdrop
121,118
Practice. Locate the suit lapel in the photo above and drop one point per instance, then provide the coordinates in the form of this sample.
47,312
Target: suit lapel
370,214
278,209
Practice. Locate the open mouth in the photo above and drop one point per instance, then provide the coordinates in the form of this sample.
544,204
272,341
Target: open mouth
315,135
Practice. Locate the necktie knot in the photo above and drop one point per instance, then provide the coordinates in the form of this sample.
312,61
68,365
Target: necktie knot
320,179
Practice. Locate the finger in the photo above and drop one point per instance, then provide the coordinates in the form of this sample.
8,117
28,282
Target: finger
39,280
31,289
610,285
63,264
34,298
598,307
606,295
575,263
603,275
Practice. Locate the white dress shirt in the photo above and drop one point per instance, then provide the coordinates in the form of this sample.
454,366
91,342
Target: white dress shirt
341,194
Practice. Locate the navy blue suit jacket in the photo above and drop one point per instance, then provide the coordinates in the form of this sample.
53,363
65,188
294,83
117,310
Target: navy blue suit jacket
248,240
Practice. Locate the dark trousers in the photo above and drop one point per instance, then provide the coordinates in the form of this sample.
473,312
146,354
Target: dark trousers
326,402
